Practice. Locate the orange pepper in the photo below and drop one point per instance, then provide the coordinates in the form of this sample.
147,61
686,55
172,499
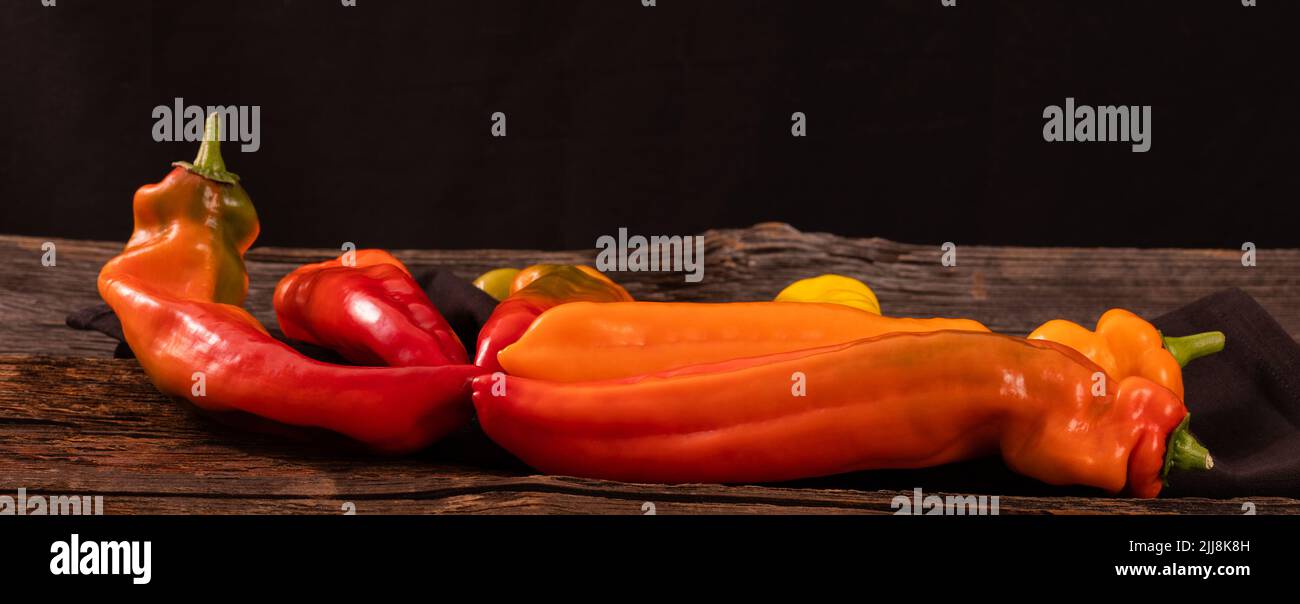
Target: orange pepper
1125,345
527,276
192,229
583,341
904,400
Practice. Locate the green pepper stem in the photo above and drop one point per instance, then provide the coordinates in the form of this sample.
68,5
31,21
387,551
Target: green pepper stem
209,163
1184,452
1189,348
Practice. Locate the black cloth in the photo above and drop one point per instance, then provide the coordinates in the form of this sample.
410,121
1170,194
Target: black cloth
464,306
102,319
1245,401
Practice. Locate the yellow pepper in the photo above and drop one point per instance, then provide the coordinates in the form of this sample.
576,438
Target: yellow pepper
833,289
497,282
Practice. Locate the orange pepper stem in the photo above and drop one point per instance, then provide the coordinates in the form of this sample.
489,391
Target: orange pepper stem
1189,348
1184,452
209,163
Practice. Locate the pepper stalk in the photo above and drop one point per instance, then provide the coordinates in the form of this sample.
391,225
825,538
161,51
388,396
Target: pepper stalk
1184,452
1189,348
209,163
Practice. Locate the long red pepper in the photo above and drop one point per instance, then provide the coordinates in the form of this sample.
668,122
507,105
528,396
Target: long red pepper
220,358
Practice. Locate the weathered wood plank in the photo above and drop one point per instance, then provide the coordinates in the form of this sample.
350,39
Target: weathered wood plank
77,426
1010,289
80,423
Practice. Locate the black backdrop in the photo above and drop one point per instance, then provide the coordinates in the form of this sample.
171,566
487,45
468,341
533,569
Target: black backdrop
924,122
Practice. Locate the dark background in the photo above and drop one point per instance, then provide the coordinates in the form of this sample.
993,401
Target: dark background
924,122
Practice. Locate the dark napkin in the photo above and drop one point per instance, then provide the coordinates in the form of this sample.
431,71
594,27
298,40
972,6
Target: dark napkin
1245,401
101,318
464,306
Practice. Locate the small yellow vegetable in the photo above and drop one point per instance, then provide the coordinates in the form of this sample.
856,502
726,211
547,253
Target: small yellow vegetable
835,289
496,282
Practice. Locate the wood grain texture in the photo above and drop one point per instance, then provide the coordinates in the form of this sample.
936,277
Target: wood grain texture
77,426
1009,289
74,422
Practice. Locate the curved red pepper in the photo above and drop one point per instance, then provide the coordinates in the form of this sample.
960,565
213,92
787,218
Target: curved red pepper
372,313
537,289
220,358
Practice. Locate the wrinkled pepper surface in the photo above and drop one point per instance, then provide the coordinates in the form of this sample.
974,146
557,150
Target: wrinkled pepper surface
1124,344
371,311
905,400
176,289
582,342
535,290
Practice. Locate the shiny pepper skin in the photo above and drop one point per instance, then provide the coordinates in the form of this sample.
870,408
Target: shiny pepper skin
369,310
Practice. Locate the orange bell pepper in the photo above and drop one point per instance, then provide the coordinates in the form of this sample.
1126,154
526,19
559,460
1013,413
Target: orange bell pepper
1124,344
905,400
582,341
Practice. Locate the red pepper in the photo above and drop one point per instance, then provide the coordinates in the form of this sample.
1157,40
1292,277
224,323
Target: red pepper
220,358
371,312
536,289
176,289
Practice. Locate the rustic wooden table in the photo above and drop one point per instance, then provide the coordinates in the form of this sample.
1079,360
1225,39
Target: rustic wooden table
74,421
